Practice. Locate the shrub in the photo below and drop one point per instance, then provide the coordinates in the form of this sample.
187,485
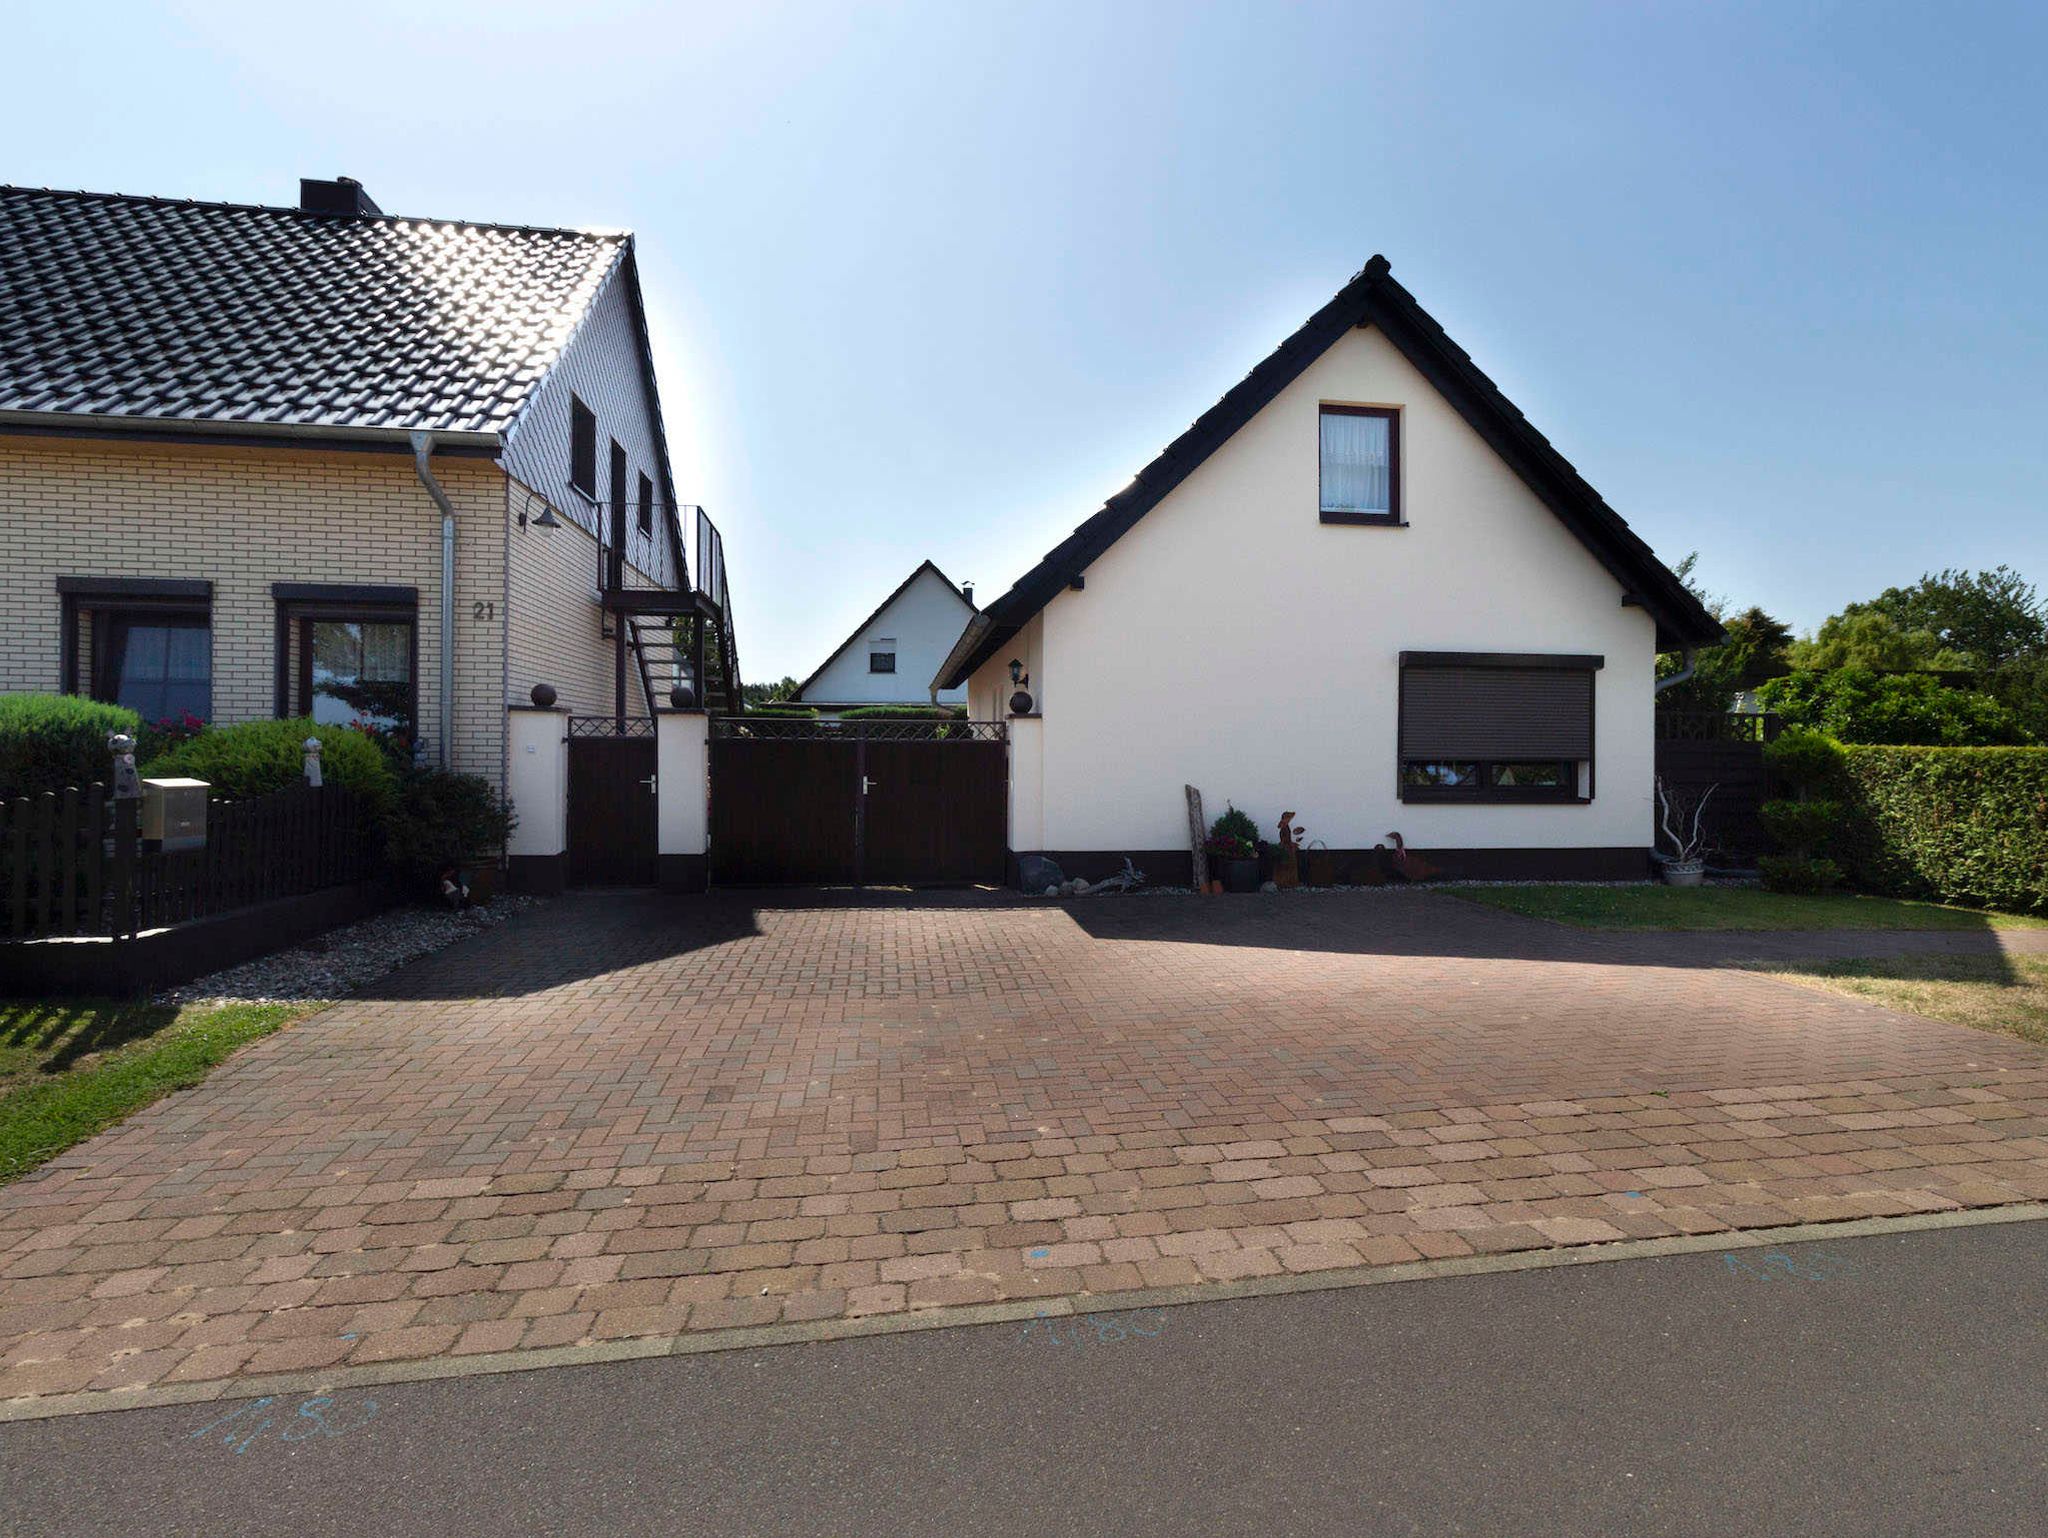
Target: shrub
51,741
1855,704
787,712
1237,825
259,757
1800,825
1960,825
1803,758
444,819
1798,873
905,713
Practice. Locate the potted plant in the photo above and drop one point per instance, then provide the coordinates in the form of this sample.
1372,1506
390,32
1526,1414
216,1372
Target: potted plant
1681,819
1233,851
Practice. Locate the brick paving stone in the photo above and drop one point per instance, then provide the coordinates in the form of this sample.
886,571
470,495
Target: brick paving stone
695,1115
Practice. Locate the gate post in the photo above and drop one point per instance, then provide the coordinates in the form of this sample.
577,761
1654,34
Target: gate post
537,785
1026,791
682,767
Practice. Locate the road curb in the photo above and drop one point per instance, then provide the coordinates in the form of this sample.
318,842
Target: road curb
487,1364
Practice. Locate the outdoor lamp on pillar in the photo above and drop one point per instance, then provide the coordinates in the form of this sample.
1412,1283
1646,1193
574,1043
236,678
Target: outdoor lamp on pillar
1020,702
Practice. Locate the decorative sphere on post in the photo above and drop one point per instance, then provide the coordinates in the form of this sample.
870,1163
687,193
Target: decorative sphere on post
127,783
544,696
1020,704
683,697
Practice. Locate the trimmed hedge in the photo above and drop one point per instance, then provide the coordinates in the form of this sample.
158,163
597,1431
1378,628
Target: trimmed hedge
905,713
258,757
51,741
1959,825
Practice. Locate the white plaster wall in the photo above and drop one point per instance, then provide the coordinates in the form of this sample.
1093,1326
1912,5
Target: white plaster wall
537,780
1234,642
925,619
682,780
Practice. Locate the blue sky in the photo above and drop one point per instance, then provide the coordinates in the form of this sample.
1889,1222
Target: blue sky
932,280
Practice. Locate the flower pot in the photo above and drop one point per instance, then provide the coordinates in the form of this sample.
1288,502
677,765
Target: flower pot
1238,875
1684,872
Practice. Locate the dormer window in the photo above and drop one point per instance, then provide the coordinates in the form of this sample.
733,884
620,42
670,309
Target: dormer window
1360,472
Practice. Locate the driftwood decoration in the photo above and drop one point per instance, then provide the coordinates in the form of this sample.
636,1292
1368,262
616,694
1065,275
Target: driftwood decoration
1691,845
1198,835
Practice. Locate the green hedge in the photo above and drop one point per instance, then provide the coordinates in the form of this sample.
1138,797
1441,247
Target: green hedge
258,757
50,741
905,713
1960,825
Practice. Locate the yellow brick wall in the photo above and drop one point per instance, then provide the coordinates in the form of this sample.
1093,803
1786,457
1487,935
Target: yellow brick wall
243,518
555,636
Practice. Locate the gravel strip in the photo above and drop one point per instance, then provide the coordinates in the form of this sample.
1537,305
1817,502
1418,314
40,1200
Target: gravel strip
342,960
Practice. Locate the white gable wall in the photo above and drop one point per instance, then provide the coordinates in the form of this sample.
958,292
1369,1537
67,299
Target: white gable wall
1232,641
926,618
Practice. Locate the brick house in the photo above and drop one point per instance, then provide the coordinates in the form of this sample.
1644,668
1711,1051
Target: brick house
324,461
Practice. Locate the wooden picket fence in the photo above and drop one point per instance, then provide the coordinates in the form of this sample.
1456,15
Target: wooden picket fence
73,863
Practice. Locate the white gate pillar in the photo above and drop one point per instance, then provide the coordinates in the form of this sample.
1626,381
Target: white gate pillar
682,767
537,785
1027,788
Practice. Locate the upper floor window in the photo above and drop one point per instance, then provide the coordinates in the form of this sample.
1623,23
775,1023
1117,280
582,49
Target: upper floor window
882,654
618,492
1361,464
646,504
582,447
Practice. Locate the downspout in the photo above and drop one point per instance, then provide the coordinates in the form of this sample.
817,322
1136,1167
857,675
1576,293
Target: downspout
422,452
1690,657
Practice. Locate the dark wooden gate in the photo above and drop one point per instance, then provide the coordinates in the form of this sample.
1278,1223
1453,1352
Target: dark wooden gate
1696,749
611,801
892,803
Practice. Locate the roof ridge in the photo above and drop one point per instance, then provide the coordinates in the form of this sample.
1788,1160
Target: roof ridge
87,195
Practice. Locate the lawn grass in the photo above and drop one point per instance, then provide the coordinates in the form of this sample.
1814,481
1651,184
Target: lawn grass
1729,907
71,1067
2005,994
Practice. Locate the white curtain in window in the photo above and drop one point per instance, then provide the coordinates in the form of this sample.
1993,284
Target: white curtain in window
1355,478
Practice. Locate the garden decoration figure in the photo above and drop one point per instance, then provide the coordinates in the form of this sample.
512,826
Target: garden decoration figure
1129,879
127,783
1408,865
313,762
1287,853
454,890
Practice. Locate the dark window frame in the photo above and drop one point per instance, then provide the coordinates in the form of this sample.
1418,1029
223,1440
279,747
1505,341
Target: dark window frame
112,601
1396,515
621,470
582,448
875,657
304,617
297,603
1577,789
646,502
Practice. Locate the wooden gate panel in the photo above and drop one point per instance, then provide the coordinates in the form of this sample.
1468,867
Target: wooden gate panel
936,811
783,810
612,839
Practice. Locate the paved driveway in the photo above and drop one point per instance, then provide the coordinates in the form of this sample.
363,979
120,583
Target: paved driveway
627,1116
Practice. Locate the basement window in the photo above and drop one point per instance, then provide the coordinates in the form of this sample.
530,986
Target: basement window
1360,466
1496,727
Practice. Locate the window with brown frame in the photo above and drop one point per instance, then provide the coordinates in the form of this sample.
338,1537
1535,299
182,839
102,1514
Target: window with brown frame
1490,726
1359,464
351,655
582,448
646,504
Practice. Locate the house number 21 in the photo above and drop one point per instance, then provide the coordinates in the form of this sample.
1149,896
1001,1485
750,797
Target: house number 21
484,609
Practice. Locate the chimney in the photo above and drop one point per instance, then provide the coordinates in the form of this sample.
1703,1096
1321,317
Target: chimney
967,592
343,196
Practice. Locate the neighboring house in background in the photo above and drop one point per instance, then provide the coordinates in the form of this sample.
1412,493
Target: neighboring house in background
1361,588
324,461
890,658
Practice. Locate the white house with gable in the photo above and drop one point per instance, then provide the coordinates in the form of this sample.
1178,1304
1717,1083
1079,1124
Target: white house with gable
1361,588
891,656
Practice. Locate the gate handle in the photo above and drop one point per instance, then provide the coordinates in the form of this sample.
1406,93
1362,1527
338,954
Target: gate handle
649,783
866,784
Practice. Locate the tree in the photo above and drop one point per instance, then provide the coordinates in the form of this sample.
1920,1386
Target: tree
1758,647
1863,636
1856,704
1981,619
769,694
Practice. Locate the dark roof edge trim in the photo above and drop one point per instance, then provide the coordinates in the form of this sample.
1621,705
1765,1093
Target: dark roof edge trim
901,588
386,440
1372,297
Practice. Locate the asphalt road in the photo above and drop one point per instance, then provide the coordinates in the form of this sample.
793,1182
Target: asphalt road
1894,1385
